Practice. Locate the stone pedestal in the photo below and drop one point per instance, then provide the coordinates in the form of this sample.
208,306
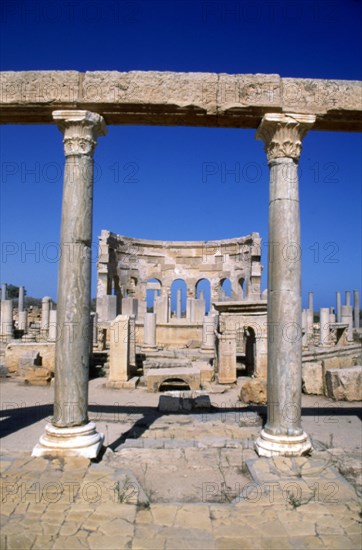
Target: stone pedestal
347,318
7,327
130,306
70,432
107,308
161,309
283,433
119,351
227,358
208,333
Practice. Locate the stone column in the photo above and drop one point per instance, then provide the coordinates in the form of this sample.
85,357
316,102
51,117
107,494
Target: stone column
283,434
21,299
208,333
338,306
324,326
179,303
348,297
70,432
23,320
149,336
4,291
7,327
311,302
45,309
52,333
347,319
356,308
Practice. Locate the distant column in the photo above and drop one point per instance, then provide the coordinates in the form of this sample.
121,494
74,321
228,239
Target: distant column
348,297
4,291
324,326
45,309
338,306
310,302
356,308
52,332
7,327
179,303
21,299
23,320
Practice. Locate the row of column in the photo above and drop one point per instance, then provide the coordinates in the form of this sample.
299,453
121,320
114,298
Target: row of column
70,431
356,306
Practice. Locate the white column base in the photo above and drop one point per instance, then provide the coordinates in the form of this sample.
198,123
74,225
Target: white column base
282,445
76,441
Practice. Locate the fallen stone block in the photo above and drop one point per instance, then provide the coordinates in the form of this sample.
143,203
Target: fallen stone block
312,378
254,391
37,376
344,384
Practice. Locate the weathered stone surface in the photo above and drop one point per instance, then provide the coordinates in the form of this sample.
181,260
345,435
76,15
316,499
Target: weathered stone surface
254,391
37,376
15,351
312,378
345,384
195,99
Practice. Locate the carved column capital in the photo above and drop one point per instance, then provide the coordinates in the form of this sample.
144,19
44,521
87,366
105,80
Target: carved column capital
81,130
283,133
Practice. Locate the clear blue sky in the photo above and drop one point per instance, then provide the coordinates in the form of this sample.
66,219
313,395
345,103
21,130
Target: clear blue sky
167,197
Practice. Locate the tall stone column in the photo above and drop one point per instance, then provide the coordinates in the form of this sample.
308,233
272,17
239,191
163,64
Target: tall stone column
338,306
178,303
348,297
324,326
21,299
283,434
7,325
311,302
4,291
70,432
356,308
45,310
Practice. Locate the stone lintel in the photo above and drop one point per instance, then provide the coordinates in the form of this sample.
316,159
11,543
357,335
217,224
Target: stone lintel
178,99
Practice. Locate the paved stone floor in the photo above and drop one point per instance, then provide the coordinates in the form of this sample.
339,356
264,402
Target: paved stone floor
179,481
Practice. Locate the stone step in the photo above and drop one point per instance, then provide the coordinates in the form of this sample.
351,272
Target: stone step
166,443
189,375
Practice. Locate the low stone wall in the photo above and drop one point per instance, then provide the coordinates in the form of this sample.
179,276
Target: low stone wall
14,351
173,335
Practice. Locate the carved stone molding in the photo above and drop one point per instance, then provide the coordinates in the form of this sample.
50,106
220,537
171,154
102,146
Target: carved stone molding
80,130
283,134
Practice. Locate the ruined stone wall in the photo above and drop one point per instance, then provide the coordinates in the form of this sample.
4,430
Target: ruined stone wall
125,265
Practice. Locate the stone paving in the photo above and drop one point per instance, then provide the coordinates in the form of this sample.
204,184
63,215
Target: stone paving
183,481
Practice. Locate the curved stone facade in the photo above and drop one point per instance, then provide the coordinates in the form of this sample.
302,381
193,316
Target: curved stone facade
126,266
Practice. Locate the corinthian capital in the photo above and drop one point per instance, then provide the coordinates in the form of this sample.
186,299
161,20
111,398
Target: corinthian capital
283,133
81,130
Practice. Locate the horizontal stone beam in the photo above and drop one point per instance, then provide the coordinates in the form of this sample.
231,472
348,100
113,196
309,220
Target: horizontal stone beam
178,99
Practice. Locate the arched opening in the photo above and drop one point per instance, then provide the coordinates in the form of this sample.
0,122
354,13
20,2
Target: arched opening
241,282
153,289
225,289
178,298
245,351
173,384
203,290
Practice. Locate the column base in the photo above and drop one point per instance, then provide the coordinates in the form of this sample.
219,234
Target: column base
282,445
82,441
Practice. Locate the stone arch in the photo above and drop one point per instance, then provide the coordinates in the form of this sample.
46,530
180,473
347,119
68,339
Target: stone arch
178,285
225,289
203,286
153,290
241,287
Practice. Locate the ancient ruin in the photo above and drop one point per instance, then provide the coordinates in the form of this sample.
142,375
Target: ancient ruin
263,335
